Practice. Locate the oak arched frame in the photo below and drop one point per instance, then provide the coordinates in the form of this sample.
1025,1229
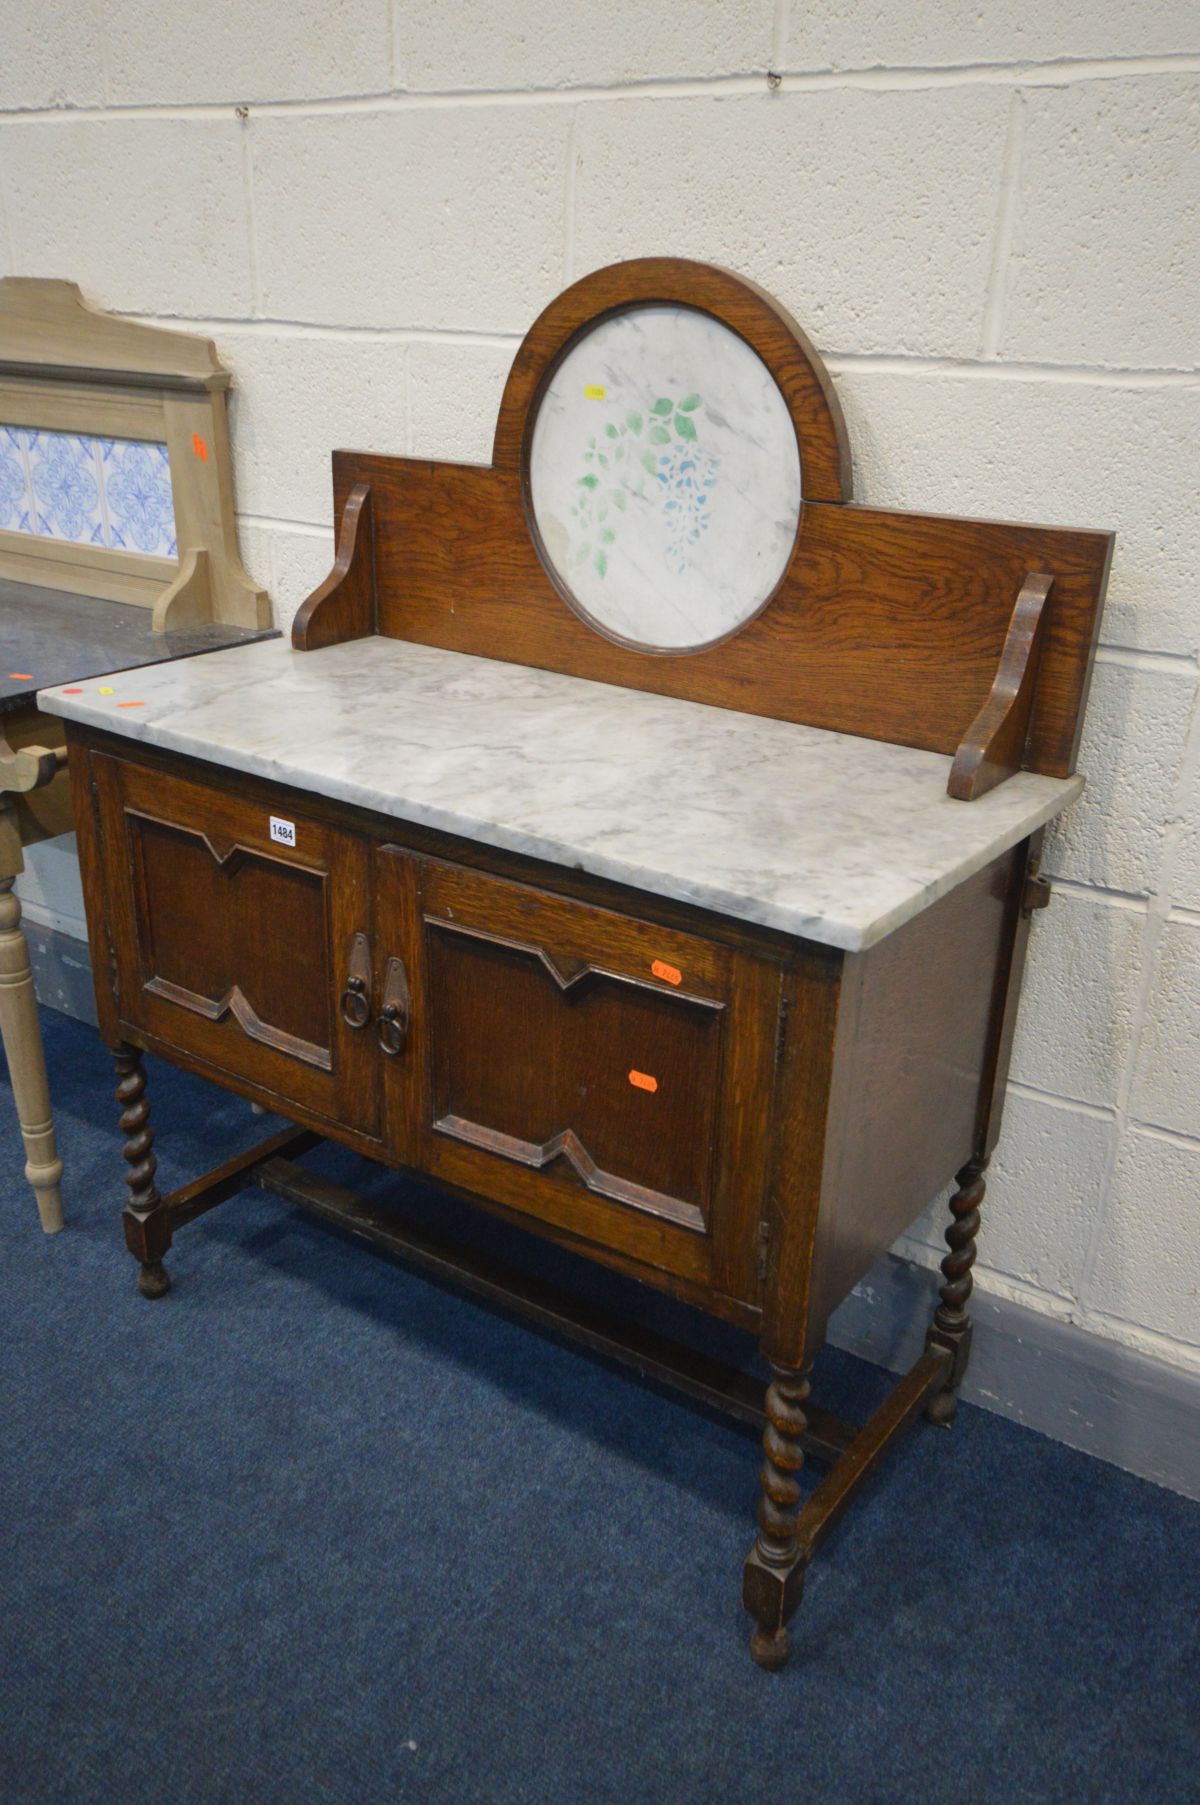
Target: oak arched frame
731,300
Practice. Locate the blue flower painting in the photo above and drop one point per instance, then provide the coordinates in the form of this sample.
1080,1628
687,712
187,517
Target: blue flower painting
622,457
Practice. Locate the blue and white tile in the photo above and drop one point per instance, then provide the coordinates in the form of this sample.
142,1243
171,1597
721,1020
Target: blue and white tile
16,501
137,497
66,487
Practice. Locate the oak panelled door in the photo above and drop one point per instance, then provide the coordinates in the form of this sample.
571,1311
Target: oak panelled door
578,1065
250,952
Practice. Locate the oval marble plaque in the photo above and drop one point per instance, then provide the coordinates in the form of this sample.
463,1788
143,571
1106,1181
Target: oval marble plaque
665,477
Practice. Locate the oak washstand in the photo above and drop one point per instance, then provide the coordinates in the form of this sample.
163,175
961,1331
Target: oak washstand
637,838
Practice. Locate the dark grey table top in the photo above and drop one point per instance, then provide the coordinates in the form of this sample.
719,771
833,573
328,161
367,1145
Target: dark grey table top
50,636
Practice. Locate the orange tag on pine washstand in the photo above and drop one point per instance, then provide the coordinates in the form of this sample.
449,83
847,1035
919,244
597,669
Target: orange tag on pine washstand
642,1081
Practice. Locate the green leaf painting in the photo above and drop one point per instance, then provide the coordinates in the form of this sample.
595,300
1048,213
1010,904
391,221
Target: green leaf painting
680,488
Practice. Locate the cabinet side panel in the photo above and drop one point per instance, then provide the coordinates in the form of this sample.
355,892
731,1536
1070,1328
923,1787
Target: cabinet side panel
918,1061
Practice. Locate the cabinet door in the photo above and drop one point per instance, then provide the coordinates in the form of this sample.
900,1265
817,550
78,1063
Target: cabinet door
596,1071
249,952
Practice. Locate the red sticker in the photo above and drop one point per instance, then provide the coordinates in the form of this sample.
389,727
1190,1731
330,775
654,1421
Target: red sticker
72,692
670,974
200,448
642,1081
21,676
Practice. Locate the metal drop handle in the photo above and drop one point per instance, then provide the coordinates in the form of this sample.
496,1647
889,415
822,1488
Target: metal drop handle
394,1017
356,998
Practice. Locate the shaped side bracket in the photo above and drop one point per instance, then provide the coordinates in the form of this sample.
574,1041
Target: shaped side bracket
994,744
343,607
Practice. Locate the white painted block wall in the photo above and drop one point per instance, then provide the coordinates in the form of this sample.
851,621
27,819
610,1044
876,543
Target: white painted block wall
984,214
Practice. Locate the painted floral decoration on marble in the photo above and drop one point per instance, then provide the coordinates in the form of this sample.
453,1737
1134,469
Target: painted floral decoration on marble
114,493
623,459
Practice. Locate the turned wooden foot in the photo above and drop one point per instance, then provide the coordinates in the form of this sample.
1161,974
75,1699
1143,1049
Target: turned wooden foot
21,1033
771,1648
951,1326
147,1229
773,1578
153,1279
942,1408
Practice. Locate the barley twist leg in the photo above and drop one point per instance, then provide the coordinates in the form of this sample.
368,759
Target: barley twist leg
147,1230
951,1326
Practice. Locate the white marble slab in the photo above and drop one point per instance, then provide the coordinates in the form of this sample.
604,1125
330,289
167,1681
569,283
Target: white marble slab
820,834
665,477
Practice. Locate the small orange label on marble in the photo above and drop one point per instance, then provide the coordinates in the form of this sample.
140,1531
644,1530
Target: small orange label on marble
21,676
642,1081
200,448
670,974
131,705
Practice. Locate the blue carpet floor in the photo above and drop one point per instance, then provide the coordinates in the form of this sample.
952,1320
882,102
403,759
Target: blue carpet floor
313,1529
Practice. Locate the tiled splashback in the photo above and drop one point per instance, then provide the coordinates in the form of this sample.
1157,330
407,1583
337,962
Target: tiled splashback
91,491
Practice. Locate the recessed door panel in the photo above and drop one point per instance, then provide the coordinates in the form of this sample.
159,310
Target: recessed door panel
581,1066
588,1067
264,955
236,947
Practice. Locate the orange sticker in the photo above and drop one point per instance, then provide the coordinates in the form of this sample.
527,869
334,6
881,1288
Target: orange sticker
670,974
200,448
131,705
21,676
642,1081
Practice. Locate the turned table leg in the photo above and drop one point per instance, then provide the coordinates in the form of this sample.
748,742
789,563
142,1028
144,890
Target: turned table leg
22,1036
951,1326
147,1228
774,1574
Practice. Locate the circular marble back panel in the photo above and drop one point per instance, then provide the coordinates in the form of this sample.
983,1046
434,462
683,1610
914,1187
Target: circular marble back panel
665,477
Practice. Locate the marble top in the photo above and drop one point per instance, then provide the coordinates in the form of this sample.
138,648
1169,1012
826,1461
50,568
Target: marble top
55,635
820,834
